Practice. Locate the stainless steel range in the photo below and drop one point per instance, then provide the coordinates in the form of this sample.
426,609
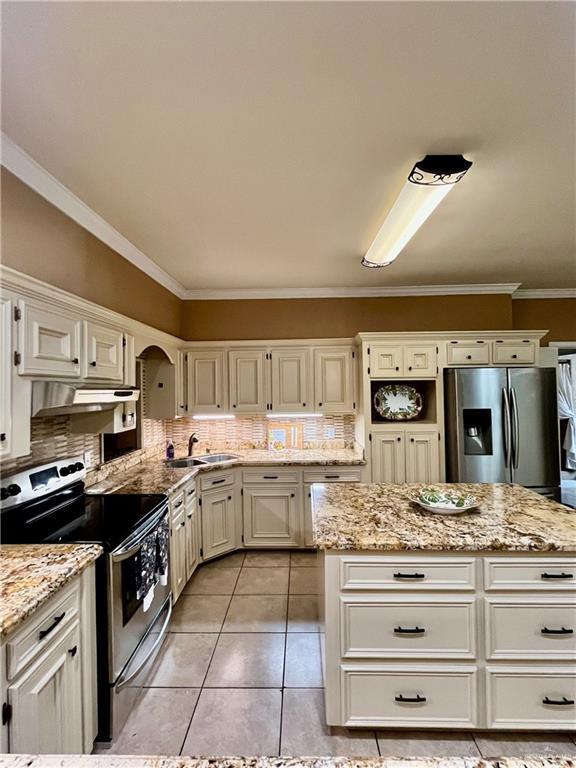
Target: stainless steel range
48,504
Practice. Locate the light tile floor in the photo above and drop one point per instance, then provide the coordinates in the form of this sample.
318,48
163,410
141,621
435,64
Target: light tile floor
240,674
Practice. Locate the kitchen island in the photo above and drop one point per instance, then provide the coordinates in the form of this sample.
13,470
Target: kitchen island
464,621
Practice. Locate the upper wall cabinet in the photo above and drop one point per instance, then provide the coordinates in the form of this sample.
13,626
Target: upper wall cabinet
129,361
104,358
206,381
334,379
5,377
248,380
507,351
49,341
291,379
402,361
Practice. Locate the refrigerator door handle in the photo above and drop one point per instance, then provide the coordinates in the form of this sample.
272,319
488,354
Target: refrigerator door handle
515,429
507,427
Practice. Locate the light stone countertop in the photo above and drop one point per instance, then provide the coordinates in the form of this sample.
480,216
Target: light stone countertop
157,477
31,573
131,761
361,516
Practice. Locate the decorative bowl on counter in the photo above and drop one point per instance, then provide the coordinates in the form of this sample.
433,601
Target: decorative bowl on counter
398,402
444,501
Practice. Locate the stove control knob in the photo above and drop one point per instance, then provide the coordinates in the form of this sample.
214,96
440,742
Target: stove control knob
4,494
71,468
64,471
14,490
78,466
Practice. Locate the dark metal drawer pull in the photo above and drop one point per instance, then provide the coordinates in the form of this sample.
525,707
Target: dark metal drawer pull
410,631
178,504
55,622
557,575
563,631
410,699
217,482
72,651
332,477
564,702
270,477
408,575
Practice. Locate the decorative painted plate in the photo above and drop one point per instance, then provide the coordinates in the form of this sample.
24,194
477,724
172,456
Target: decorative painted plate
398,402
445,502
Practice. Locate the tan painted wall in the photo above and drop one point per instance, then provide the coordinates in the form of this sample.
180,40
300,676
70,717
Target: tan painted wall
39,240
308,318
557,315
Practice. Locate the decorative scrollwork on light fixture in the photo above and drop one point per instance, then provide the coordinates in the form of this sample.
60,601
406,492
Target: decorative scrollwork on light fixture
417,176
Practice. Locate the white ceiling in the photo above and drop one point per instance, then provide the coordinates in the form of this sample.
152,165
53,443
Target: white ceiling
254,145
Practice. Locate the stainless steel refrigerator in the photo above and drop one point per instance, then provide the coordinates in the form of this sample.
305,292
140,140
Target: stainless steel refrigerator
502,427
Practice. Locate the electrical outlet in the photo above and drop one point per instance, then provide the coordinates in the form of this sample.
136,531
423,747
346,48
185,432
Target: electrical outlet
88,458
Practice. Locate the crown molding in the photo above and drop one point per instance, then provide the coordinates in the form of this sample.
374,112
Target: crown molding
359,292
545,293
18,162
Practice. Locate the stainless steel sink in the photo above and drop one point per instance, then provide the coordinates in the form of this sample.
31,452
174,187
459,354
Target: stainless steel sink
188,462
216,458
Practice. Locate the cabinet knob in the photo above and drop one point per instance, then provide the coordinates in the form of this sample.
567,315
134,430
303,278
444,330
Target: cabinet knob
234,406
320,405
397,367
411,439
229,498
468,357
217,406
398,439
514,357
93,363
292,495
75,361
303,405
2,437
409,367
72,651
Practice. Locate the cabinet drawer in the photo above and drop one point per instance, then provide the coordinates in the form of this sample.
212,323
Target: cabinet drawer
407,627
528,628
271,475
216,480
333,475
524,697
41,629
176,504
407,573
556,574
468,354
431,696
513,352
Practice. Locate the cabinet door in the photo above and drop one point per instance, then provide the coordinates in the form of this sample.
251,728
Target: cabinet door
272,516
178,552
422,457
420,361
308,537
206,392
386,360
47,701
129,362
388,461
104,353
5,377
192,545
181,385
218,523
334,379
49,342
248,380
291,380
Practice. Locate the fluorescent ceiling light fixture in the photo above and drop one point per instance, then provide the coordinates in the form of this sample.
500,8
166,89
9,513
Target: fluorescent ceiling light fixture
294,415
428,184
213,416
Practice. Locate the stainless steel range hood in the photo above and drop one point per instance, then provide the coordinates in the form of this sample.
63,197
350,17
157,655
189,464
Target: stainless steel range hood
56,398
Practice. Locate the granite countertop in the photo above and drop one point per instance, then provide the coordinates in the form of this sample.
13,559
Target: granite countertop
131,761
157,477
365,516
31,573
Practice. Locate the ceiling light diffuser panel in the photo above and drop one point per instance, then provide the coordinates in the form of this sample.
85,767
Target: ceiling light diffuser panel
427,185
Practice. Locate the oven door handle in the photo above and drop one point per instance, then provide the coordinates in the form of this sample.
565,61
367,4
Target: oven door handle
123,681
131,549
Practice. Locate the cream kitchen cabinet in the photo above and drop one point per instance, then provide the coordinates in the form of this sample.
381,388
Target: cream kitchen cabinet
218,515
334,379
291,379
514,352
49,341
5,377
129,361
104,353
48,675
192,530
178,542
207,392
248,380
402,361
182,384
405,456
272,516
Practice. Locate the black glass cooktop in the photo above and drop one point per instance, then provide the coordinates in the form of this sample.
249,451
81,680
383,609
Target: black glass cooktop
72,516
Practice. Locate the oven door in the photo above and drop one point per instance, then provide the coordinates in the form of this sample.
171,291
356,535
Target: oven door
130,616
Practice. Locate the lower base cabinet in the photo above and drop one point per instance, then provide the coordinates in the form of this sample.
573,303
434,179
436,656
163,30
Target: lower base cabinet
192,537
272,516
218,522
178,551
405,456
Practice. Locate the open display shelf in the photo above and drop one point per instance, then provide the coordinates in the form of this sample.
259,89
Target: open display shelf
425,387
